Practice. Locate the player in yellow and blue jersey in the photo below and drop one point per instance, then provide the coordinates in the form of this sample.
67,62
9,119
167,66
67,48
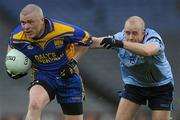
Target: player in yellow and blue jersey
145,70
49,44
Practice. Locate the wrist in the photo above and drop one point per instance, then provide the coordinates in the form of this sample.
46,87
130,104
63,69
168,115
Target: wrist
118,43
16,76
73,63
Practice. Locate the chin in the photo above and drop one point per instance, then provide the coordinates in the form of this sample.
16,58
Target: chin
31,36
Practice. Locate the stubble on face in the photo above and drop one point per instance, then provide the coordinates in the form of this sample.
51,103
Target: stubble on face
32,20
134,29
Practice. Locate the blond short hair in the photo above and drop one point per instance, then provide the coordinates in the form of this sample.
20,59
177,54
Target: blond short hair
136,20
31,8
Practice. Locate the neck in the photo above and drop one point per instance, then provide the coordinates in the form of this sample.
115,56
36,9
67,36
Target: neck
41,32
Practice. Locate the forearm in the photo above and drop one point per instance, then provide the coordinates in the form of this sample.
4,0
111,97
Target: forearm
70,68
79,52
141,49
96,42
9,48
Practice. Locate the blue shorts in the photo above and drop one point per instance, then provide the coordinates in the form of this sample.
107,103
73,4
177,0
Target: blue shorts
158,98
66,91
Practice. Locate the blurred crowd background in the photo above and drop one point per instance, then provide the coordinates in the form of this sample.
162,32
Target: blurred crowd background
99,68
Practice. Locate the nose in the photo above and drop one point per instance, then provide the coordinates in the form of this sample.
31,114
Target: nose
130,36
26,27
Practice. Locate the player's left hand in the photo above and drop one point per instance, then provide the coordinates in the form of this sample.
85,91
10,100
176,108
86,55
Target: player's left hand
111,42
16,76
68,70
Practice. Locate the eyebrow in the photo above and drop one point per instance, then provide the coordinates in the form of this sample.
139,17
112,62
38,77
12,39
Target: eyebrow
26,20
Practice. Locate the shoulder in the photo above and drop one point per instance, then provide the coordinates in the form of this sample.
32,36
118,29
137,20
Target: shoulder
151,34
16,30
18,33
153,37
63,26
119,36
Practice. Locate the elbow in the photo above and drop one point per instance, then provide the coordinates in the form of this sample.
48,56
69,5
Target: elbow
150,51
93,45
147,53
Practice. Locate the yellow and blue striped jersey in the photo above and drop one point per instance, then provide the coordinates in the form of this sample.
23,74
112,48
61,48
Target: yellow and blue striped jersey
52,49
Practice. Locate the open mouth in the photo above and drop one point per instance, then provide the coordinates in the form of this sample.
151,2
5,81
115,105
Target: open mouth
28,33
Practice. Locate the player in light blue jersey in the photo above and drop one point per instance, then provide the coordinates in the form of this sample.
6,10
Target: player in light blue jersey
145,70
50,44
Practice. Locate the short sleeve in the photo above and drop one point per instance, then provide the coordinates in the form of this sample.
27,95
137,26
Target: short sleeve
156,41
81,37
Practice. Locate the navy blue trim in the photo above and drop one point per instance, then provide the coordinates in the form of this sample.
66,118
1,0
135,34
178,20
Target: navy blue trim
153,38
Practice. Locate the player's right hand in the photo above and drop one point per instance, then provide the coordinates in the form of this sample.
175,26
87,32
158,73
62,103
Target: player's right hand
68,70
111,43
15,76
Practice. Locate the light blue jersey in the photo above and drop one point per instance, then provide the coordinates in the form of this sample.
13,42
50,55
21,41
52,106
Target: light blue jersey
145,71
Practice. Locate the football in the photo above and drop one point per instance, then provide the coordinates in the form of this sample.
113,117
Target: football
16,62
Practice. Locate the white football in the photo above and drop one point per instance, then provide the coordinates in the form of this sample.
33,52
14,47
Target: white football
16,62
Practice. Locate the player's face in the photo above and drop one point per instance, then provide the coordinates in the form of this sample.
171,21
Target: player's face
134,33
32,24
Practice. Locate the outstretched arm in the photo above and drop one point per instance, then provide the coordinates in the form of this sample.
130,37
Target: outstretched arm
148,49
96,42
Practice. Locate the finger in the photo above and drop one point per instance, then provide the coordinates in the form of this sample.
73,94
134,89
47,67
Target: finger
105,45
108,47
62,72
103,42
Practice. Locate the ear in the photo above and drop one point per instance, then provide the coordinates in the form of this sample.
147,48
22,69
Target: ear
143,32
42,19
